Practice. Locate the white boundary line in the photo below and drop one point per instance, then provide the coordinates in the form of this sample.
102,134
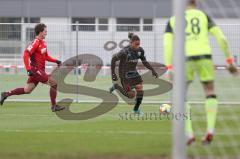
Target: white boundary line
106,132
121,101
85,66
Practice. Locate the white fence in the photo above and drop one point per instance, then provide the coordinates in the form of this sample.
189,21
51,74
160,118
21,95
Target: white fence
61,41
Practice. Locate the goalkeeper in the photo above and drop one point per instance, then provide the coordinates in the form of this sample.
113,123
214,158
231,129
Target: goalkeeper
199,60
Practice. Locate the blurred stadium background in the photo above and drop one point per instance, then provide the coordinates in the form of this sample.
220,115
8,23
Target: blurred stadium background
100,27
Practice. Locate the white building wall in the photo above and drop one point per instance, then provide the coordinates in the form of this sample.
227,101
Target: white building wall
61,40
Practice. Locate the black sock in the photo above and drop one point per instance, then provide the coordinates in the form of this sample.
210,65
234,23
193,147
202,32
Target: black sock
121,90
137,104
211,96
138,100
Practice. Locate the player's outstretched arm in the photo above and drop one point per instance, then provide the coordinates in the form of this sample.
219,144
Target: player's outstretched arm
222,42
27,53
115,58
51,59
147,64
26,63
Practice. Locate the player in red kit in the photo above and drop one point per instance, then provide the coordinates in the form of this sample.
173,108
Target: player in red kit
37,54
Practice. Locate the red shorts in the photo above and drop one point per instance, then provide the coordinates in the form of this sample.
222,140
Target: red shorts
38,76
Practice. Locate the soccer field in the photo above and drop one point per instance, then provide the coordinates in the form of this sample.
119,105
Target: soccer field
227,88
31,130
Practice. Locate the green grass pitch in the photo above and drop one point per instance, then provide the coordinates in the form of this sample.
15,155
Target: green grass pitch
31,130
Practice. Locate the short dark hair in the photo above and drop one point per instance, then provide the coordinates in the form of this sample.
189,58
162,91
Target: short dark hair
39,28
130,35
192,2
135,38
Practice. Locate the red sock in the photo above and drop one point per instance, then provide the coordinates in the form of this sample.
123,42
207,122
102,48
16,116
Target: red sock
53,94
17,91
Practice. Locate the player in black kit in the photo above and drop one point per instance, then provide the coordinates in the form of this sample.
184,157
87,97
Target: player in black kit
128,74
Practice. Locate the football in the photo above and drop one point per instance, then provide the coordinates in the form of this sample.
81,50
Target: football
165,108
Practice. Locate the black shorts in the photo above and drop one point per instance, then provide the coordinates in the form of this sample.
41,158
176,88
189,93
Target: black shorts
130,83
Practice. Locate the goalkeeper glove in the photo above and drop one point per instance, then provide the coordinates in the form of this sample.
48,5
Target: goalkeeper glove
231,68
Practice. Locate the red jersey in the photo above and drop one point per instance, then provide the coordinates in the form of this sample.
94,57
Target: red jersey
38,55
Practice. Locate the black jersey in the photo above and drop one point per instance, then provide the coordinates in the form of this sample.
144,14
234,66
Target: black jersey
128,60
